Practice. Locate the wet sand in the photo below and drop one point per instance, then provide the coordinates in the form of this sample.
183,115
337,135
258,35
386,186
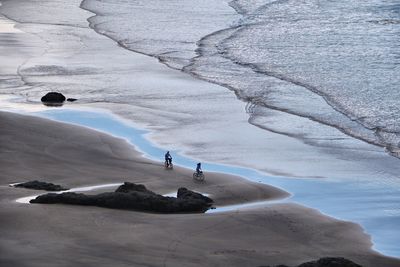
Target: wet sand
62,235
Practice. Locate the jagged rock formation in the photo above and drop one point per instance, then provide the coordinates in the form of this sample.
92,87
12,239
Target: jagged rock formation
184,193
131,196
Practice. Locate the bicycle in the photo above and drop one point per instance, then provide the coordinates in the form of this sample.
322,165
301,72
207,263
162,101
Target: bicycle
168,165
198,176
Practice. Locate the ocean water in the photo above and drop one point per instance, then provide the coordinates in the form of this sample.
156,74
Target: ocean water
347,52
333,62
168,30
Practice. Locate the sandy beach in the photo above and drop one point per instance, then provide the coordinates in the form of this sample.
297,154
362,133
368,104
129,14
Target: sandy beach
62,235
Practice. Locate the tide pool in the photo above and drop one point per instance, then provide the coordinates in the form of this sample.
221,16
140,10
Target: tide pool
371,203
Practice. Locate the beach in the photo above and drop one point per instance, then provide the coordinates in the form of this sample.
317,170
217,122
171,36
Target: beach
62,235
300,153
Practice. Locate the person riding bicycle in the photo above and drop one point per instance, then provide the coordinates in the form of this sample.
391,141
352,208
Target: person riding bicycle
168,159
198,169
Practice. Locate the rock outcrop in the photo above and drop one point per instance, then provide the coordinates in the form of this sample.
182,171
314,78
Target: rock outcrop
330,262
37,185
326,262
131,196
184,193
128,187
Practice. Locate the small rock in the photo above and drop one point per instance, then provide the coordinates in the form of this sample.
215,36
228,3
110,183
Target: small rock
37,185
326,262
330,262
185,193
53,99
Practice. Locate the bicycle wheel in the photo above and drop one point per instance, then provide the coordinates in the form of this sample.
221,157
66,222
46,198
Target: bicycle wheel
198,177
168,166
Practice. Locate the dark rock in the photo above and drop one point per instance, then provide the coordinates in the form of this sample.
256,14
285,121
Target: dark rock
326,262
130,196
41,186
53,99
71,99
128,187
330,262
184,193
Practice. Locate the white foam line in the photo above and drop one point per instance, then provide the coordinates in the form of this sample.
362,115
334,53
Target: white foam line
174,194
90,188
250,205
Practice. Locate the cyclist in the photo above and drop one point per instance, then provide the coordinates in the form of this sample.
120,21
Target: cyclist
168,159
198,169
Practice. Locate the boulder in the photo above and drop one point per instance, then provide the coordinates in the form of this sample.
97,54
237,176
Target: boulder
71,99
37,185
53,99
130,196
184,193
326,262
330,262
128,187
